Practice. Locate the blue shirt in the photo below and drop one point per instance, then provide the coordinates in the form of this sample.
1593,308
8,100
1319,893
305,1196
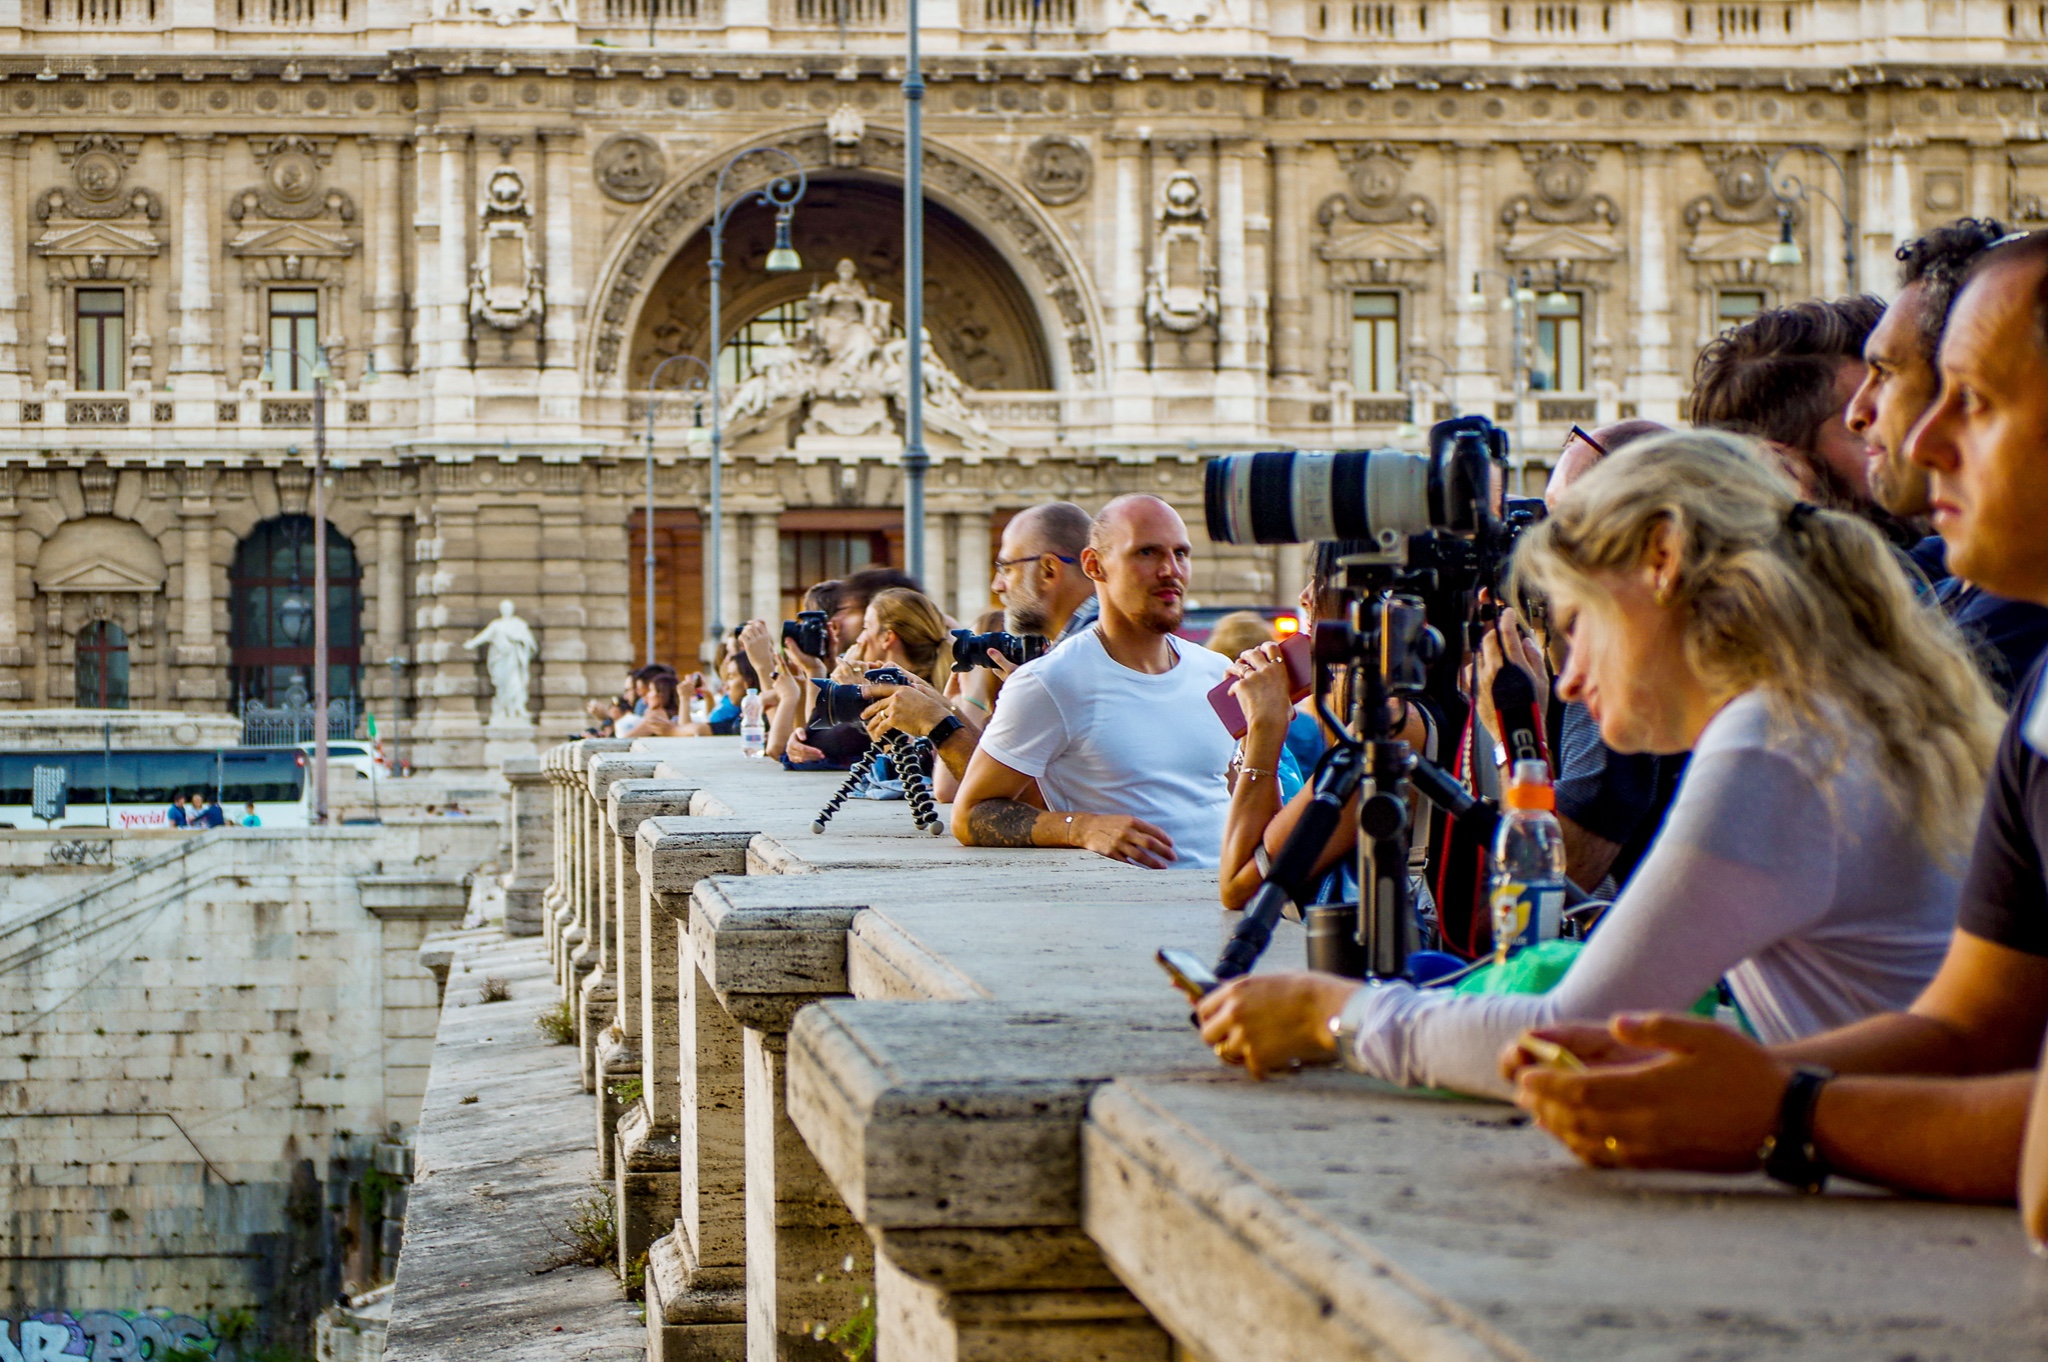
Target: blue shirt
2007,634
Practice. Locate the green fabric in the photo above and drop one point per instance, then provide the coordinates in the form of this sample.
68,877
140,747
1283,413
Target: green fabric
1540,968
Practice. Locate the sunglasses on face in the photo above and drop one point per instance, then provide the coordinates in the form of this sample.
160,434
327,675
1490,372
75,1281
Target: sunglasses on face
1578,434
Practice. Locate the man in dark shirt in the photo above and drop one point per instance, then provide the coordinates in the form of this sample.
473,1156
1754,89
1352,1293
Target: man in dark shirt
1898,386
1933,1100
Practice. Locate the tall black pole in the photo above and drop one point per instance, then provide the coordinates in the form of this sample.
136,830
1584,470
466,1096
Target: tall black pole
914,459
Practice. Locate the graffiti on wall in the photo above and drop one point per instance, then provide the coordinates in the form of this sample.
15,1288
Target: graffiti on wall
105,1336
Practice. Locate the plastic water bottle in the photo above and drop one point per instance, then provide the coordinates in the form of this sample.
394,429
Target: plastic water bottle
1528,863
753,733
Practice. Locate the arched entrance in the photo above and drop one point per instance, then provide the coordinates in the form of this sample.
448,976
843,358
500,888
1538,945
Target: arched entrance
100,666
270,606
980,316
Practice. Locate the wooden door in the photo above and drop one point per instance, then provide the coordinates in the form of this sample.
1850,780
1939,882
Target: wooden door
678,587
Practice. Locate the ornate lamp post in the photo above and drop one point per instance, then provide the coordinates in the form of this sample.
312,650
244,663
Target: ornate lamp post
1787,187
321,373
781,194
647,558
915,461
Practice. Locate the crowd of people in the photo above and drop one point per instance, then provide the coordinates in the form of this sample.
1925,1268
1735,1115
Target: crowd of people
1789,659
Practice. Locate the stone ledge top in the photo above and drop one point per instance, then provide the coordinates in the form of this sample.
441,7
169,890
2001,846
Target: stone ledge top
516,768
628,802
607,768
1366,1222
432,897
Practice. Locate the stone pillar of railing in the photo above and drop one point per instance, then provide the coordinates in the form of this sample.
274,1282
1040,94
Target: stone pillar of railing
640,1145
690,1080
526,883
554,765
952,1130
763,966
611,1056
579,821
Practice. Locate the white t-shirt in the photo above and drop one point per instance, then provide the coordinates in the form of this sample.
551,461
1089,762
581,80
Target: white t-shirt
1101,738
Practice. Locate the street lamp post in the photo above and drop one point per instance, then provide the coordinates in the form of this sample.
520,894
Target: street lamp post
1787,187
321,373
915,461
647,558
781,194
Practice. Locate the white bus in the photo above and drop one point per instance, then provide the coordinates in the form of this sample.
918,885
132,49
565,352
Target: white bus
134,789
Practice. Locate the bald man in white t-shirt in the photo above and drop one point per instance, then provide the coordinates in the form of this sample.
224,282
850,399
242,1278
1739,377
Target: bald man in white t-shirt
1112,730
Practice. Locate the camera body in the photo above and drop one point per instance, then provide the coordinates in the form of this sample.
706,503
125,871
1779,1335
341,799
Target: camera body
841,702
809,633
970,650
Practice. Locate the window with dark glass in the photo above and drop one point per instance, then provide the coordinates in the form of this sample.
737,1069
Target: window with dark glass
294,338
1560,359
1736,306
270,614
102,331
100,666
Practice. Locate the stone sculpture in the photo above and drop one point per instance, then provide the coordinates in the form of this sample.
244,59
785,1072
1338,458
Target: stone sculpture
510,659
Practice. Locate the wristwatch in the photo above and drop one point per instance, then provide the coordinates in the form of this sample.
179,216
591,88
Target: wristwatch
1788,1153
943,730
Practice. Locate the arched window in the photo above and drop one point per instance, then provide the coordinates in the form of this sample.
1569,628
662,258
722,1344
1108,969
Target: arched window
100,666
270,608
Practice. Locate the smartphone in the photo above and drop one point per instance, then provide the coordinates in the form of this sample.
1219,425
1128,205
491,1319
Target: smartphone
1188,973
1550,1054
1296,650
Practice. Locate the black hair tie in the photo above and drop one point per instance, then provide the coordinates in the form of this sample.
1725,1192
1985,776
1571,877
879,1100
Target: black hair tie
1801,512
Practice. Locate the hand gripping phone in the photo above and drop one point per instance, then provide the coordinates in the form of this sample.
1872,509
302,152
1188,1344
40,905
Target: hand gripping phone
1189,974
1296,652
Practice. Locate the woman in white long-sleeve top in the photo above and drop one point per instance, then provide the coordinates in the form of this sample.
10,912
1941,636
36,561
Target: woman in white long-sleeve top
1840,740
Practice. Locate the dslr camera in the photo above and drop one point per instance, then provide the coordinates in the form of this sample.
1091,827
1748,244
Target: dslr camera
807,631
970,650
841,702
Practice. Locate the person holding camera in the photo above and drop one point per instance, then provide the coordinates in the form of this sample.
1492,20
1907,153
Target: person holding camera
1112,730
1933,1099
1038,575
1839,735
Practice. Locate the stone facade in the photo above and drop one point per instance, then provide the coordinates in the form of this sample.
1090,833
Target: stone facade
1157,229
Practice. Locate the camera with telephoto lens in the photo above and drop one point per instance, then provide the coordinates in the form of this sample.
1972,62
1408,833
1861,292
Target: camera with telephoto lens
970,650
841,702
807,631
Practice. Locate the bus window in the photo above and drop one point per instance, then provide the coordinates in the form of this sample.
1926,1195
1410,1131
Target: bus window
261,776
160,777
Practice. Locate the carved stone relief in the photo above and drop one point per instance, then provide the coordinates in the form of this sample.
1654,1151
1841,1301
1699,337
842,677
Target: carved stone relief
844,129
1057,170
1564,220
1377,222
1739,220
629,167
99,172
505,288
1180,285
290,190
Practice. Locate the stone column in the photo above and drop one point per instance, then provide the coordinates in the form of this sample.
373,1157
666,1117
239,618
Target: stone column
384,157
195,600
454,404
729,568
193,365
10,278
971,576
765,592
690,1078
533,845
1472,381
577,942
1131,385
561,386
1289,229
391,583
1987,165
1905,225
555,907
609,996
10,601
1233,410
643,1134
1656,384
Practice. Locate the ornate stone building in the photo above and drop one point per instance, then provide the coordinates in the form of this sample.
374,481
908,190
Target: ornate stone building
1157,229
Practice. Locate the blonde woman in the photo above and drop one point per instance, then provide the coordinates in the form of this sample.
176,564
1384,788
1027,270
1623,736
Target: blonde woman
1840,740
903,628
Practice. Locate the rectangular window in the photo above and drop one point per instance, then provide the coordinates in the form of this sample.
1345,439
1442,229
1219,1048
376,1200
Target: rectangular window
102,339
294,338
1376,342
1735,308
1560,361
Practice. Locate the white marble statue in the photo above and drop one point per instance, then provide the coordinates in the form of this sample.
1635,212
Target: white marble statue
510,659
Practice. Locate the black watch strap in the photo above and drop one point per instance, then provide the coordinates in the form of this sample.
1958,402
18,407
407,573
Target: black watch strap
1790,1155
943,730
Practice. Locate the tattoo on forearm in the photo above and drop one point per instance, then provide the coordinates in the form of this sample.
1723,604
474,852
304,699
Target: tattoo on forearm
1002,823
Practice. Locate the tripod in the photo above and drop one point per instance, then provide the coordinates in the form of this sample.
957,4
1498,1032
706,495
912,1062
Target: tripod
912,757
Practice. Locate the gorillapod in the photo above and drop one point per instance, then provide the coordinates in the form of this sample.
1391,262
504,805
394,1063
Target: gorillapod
911,756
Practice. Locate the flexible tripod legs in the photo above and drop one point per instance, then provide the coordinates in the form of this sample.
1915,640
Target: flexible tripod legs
910,755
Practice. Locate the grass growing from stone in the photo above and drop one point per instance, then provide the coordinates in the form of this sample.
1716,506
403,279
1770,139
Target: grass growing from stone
495,990
627,1091
558,1024
590,1238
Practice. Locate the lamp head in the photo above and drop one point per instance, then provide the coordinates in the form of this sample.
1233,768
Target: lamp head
370,374
783,259
1784,251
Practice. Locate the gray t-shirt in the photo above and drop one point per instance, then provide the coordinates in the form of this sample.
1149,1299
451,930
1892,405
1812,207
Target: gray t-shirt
1813,896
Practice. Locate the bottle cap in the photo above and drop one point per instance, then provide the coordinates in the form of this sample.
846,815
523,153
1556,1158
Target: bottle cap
1529,787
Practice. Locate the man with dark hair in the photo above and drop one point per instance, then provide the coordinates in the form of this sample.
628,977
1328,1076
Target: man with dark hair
1933,1100
855,591
1899,385
1038,573
1784,377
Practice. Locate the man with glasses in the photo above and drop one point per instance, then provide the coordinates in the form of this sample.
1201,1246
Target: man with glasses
1038,572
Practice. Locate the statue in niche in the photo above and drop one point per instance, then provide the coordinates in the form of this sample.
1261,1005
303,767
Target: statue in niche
511,649
850,325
